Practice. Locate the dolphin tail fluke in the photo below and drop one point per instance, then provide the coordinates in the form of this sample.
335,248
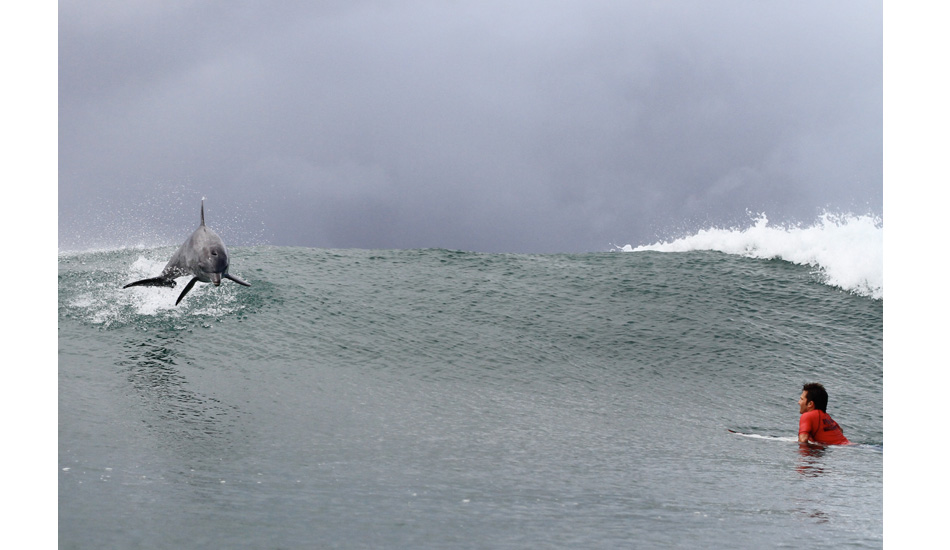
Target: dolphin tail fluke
154,281
190,284
236,279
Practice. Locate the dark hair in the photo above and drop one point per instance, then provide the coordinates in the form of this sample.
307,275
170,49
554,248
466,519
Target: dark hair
816,392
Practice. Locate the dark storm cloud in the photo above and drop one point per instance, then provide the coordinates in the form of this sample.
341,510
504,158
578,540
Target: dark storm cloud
529,126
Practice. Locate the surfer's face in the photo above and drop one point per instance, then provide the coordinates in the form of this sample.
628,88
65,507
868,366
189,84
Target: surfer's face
804,404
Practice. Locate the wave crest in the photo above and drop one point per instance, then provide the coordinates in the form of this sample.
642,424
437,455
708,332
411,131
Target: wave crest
846,249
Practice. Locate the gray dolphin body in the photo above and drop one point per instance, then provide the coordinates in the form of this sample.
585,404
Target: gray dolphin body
203,256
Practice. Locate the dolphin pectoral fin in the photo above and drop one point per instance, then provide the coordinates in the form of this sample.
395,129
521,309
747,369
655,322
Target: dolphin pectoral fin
237,280
154,281
190,284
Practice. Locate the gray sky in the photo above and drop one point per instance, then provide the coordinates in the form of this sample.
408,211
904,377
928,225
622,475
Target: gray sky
532,126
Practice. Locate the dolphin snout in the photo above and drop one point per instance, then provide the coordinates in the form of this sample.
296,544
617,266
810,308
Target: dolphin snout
216,279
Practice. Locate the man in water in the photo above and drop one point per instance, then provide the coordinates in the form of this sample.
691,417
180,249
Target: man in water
815,426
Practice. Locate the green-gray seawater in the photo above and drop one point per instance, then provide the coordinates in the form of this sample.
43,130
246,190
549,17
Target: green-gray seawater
442,399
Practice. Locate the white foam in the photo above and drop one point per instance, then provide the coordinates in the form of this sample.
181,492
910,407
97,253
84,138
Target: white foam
148,300
847,250
147,267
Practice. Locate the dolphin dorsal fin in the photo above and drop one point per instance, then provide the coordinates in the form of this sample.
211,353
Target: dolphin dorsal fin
202,211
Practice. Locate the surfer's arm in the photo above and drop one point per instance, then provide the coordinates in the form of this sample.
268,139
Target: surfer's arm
807,427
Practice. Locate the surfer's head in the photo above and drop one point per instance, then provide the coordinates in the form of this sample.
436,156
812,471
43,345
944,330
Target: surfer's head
813,393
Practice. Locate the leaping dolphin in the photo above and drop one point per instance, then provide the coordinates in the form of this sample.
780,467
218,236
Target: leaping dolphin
203,255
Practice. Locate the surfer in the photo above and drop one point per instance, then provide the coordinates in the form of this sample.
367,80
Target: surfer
815,426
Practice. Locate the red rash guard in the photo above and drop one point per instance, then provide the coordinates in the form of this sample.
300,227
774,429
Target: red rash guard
821,428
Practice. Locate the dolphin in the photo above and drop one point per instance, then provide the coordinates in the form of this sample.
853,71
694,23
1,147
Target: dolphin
203,256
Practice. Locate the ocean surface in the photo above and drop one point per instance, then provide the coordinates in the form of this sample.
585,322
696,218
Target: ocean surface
446,399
